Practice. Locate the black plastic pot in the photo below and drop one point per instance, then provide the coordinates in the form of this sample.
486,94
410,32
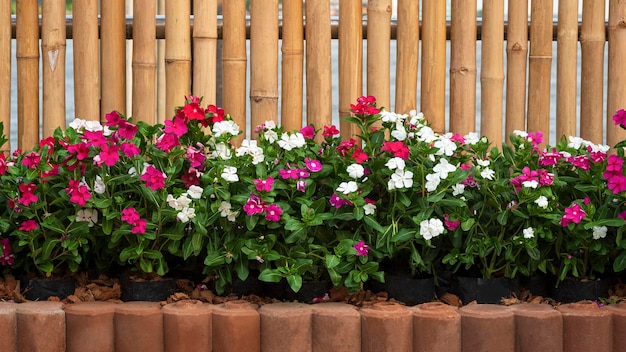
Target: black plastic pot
150,291
485,291
250,286
538,285
40,289
574,290
406,288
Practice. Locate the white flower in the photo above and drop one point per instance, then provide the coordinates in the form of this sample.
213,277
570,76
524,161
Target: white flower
355,171
78,124
186,214
93,126
487,173
431,228
224,209
392,117
443,168
522,134
446,146
426,134
542,202
178,203
270,124
171,201
471,138
432,182
395,163
599,232
347,187
530,184
417,118
271,135
230,174
400,179
458,189
87,214
399,133
528,232
232,216
251,148
225,127
369,209
98,186
195,192
483,163
222,151
291,141
576,142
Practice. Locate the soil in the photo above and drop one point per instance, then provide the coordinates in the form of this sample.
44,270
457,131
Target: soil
104,288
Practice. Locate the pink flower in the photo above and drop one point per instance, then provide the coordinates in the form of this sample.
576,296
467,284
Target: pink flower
550,158
139,227
301,185
168,142
622,215
313,165
398,149
94,138
451,225
6,258
330,131
79,193
580,161
338,202
27,196
273,212
154,178
80,149
177,126
573,214
458,138
288,173
193,111
535,138
345,146
264,185
113,118
130,215
28,225
620,117
308,132
359,155
109,154
127,130
196,157
31,160
617,183
614,166
361,248
130,149
254,205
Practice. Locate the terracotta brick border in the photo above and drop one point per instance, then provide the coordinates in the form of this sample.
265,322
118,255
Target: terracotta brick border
337,327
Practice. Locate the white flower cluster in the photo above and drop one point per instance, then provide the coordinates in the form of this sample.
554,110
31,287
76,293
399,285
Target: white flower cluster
80,125
440,172
431,228
230,174
250,147
226,211
289,141
270,132
577,142
183,203
401,178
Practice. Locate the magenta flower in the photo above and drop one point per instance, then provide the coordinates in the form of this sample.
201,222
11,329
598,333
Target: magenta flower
6,258
94,138
126,129
113,118
79,193
550,158
273,212
451,224
154,178
177,126
168,142
264,185
130,149
308,132
617,183
288,173
139,227
31,160
361,248
80,149
301,185
254,205
338,202
27,196
622,215
313,165
130,215
28,225
573,214
109,154
196,156
620,117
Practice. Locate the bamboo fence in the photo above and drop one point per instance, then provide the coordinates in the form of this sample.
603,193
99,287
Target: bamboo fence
188,63
86,61
463,66
5,66
592,42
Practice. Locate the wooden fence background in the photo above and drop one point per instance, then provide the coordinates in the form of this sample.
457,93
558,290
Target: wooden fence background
191,65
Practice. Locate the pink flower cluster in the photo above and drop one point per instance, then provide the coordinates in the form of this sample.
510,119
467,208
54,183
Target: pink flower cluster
532,178
255,206
7,257
132,217
28,196
78,192
344,148
573,214
614,174
366,105
154,178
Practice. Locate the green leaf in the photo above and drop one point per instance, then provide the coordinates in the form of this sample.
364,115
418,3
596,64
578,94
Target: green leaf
533,253
152,254
241,267
296,236
295,282
403,235
370,221
620,262
197,242
270,275
331,261
467,224
146,265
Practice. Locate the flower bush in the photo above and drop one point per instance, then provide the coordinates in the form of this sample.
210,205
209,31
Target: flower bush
307,205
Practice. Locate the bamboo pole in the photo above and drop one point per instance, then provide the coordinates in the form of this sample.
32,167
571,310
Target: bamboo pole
144,61
264,62
234,60
350,61
5,70
433,85
408,34
53,52
463,67
492,70
540,65
113,51
318,64
292,81
616,74
205,50
177,53
27,60
86,65
161,100
378,52
566,70
592,41
130,4
517,52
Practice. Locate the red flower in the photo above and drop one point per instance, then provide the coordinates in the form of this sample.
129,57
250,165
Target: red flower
127,130
308,132
330,131
191,178
218,113
193,111
109,154
29,225
31,160
78,192
359,155
27,196
398,149
177,126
